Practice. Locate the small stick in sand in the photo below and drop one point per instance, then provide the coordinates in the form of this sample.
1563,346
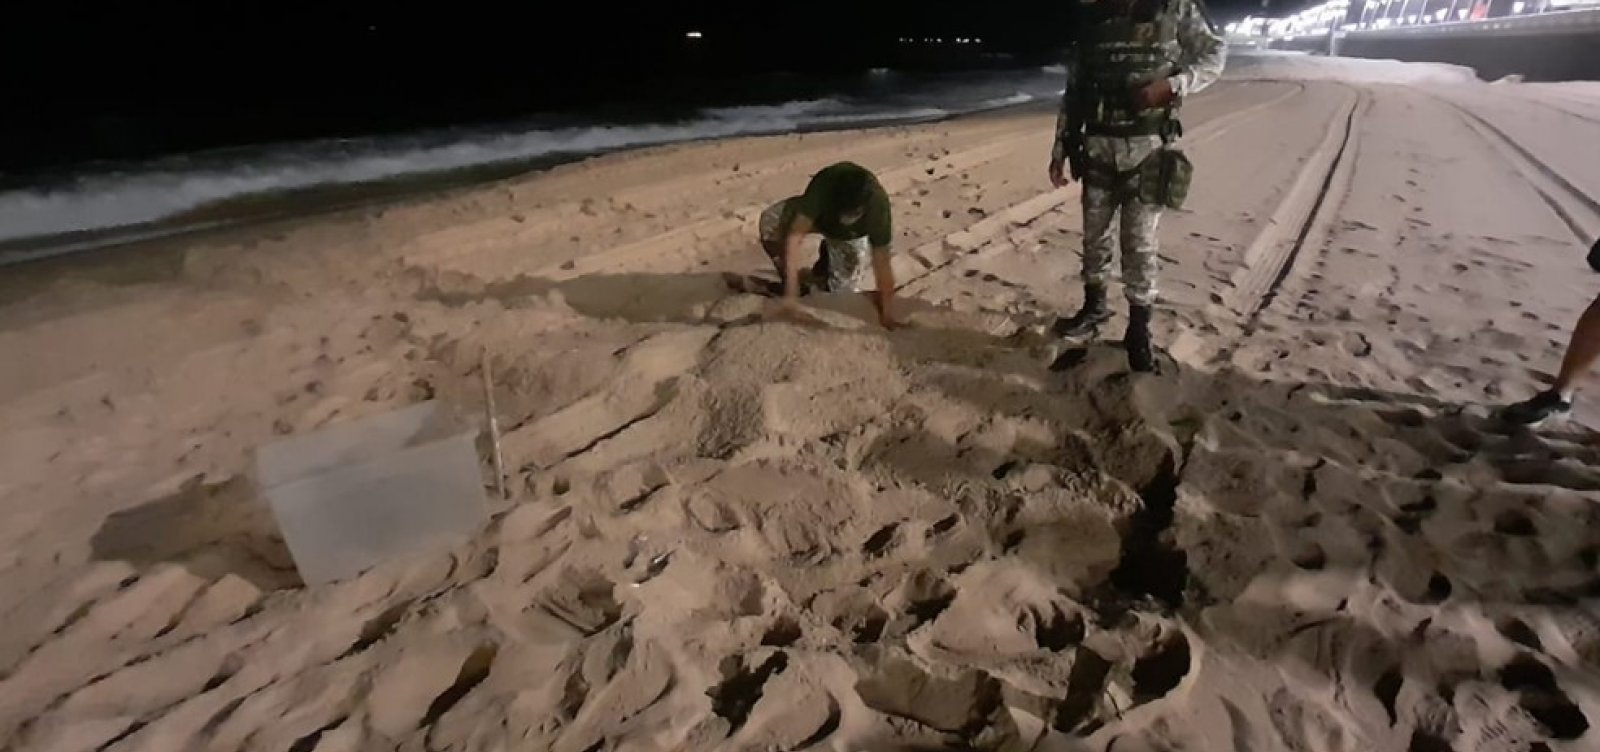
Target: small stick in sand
494,427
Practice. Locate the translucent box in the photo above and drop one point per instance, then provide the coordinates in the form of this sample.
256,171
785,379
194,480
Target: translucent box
359,493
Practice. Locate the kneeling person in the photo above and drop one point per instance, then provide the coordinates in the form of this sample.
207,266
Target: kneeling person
846,206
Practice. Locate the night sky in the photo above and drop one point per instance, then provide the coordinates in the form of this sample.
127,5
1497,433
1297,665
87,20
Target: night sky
109,80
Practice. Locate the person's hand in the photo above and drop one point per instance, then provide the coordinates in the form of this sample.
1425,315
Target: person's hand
1058,176
1157,93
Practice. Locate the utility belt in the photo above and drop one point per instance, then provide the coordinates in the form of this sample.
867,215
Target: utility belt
1162,179
1163,124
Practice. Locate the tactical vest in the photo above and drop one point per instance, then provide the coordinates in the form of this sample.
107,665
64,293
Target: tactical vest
1122,53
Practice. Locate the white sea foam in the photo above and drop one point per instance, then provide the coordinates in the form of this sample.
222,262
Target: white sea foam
133,196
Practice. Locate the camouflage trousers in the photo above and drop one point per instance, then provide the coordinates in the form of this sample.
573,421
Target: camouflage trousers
1113,194
838,267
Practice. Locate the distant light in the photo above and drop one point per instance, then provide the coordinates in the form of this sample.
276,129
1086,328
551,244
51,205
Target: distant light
1517,7
977,41
695,35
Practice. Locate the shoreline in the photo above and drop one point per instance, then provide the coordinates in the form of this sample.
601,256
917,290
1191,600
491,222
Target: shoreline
327,200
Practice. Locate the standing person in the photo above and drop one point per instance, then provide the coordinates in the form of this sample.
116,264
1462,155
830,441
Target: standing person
1582,352
846,206
1129,73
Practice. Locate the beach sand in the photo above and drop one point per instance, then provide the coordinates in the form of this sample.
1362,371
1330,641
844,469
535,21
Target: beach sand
1306,533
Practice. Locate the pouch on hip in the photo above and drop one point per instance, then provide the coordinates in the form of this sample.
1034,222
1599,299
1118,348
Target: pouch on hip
1164,178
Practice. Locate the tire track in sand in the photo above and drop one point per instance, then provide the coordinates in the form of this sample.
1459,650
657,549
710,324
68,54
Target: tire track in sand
1305,209
937,255
1577,210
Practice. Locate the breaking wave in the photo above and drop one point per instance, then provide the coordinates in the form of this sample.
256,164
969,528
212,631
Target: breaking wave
138,195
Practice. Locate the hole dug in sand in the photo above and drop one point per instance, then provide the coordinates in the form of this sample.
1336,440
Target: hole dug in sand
784,632
1057,630
1541,697
742,686
1162,670
1151,564
1085,691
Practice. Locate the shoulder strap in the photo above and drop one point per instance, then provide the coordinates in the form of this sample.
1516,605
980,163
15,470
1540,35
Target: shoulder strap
1205,14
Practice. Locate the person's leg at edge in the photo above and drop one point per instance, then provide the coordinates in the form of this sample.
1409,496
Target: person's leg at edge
1582,353
1140,264
842,270
1099,241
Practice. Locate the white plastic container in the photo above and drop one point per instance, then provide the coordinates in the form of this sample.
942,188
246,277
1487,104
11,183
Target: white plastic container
366,491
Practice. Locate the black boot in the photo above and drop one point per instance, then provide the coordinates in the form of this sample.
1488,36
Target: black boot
1137,340
1088,318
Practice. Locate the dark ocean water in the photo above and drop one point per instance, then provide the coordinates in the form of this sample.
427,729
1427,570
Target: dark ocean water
45,212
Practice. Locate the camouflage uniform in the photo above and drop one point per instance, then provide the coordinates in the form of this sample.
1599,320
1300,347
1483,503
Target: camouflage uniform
1126,47
840,257
838,267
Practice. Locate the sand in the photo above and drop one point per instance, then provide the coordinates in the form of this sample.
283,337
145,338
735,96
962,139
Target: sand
1306,533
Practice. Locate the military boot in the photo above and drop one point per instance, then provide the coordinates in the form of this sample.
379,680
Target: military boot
1137,340
1088,318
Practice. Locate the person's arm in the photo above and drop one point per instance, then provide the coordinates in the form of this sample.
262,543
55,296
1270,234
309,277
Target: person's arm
1069,127
883,274
1203,51
1201,56
798,230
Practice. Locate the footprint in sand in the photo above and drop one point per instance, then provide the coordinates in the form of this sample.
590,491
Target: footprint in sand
1308,555
1518,632
881,542
1413,514
943,526
1514,523
1540,696
853,611
1387,690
